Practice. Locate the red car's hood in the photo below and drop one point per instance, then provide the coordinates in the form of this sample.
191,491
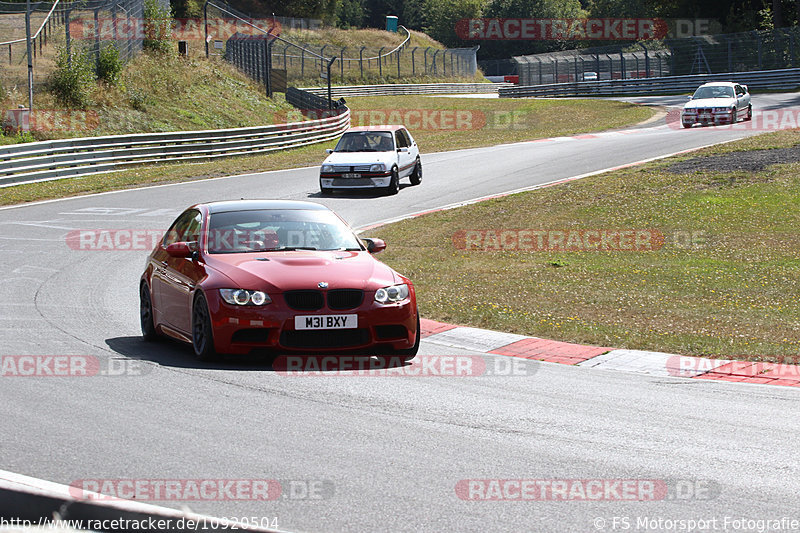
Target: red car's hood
283,271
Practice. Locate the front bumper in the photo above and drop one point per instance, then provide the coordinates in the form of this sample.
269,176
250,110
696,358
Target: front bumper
240,330
365,180
707,117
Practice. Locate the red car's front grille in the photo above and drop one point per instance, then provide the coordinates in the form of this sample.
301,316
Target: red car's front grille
304,300
324,338
345,298
310,300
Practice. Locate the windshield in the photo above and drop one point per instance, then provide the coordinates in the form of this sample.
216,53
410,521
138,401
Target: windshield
365,141
713,92
270,230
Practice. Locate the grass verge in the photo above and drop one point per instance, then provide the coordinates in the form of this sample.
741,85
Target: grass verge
726,282
585,116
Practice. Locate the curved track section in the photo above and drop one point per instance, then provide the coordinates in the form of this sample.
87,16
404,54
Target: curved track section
391,451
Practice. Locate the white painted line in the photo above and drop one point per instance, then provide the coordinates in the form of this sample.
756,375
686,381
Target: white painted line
482,340
19,482
653,363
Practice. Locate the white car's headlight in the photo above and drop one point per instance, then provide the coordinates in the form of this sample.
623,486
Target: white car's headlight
378,167
395,293
722,109
327,168
243,297
690,111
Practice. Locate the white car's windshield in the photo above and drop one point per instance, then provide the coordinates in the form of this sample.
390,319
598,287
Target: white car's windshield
365,141
713,92
269,230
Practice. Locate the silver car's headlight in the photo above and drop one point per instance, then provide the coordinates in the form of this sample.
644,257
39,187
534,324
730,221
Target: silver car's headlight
394,293
243,297
378,167
327,168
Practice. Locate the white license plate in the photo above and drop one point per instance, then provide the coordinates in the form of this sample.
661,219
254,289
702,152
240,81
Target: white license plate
351,175
326,322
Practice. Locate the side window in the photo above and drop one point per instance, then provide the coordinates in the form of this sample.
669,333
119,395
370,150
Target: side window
400,139
179,229
192,233
407,136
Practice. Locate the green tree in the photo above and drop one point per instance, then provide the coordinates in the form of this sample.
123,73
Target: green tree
351,14
441,17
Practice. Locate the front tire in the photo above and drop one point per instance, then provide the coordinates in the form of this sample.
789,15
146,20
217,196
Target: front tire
146,317
394,183
416,176
202,330
749,113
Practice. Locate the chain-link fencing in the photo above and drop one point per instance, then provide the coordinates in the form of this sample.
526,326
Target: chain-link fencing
81,27
735,52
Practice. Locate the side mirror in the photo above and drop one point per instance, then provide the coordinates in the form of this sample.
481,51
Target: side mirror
329,151
403,149
689,97
179,249
375,245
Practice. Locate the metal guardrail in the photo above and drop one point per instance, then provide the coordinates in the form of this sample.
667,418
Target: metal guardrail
409,89
67,158
765,79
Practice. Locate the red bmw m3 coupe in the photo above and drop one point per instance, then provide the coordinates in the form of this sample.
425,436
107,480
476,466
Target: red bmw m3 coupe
286,276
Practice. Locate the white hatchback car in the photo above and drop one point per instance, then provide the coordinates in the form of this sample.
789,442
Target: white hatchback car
371,157
719,102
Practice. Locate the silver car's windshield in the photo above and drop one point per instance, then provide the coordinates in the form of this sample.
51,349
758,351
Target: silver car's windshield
274,230
365,141
713,92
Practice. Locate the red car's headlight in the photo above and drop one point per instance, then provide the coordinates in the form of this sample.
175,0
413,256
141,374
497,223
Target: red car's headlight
394,293
243,297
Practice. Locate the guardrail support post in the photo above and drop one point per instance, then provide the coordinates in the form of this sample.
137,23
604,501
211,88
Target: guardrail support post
380,61
205,24
426,60
341,69
413,66
361,61
398,62
30,58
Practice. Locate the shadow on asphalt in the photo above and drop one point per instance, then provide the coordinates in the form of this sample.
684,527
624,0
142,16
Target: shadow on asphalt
357,193
167,352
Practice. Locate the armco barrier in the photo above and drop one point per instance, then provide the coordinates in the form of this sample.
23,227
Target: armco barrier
65,158
400,89
765,79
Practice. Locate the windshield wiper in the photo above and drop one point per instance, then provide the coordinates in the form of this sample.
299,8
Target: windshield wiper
290,248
